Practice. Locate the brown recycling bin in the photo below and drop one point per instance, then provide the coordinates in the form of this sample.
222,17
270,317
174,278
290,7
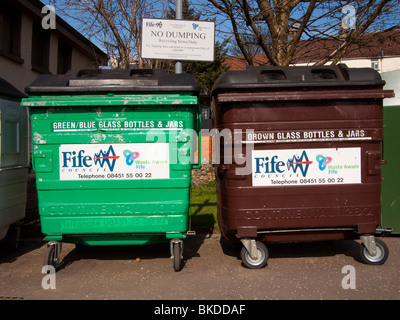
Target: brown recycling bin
298,155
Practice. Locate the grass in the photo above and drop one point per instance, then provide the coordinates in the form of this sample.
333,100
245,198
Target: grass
203,208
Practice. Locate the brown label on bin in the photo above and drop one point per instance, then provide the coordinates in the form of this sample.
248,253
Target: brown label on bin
297,167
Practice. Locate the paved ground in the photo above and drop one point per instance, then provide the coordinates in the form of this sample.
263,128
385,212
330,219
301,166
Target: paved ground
212,270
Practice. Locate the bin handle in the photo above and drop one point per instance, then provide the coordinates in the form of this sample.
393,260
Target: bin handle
198,166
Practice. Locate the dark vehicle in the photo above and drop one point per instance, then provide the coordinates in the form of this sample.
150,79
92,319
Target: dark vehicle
14,162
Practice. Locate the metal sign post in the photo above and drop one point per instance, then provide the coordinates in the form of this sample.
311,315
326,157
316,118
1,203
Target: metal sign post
179,16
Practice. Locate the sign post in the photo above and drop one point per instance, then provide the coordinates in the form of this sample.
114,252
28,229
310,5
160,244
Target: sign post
179,16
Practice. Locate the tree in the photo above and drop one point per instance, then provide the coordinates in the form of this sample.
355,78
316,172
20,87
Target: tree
116,24
279,27
206,73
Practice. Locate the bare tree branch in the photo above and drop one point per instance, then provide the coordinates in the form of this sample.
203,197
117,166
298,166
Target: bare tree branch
283,28
116,24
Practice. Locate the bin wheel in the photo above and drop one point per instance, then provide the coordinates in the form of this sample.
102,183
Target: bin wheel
51,257
177,256
261,260
382,253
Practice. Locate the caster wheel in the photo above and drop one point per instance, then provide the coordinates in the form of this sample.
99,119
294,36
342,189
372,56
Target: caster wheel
261,260
382,253
51,256
177,256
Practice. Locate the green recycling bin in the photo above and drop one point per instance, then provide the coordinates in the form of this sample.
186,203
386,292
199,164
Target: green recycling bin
113,152
391,170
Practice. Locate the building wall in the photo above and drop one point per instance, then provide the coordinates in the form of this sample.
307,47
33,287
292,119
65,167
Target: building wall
53,53
390,64
80,61
392,79
384,64
22,75
15,73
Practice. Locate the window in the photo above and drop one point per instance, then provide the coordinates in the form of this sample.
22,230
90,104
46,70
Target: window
375,64
40,49
12,141
10,34
64,56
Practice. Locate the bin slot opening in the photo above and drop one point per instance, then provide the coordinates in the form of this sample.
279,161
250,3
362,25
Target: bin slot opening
272,75
140,73
323,74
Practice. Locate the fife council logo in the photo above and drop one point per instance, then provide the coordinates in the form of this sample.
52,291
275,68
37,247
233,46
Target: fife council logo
299,163
79,159
296,164
107,157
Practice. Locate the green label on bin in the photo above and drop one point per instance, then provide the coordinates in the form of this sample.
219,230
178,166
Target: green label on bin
114,161
116,125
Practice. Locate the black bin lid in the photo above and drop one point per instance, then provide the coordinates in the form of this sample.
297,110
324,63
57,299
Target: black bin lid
9,91
114,80
292,77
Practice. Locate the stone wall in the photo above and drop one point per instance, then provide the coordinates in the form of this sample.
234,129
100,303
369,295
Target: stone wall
203,175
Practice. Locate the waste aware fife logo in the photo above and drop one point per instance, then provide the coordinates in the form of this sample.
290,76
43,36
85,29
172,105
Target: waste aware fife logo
130,157
323,161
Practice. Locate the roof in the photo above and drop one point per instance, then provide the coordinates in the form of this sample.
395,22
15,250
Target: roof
9,91
372,45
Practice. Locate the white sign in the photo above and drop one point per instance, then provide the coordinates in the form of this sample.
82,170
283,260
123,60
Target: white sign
306,167
178,39
131,161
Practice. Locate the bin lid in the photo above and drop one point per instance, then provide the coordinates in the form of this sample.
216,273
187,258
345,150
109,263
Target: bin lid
8,90
292,77
109,81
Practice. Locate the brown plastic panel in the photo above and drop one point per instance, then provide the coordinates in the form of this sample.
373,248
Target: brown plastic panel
344,118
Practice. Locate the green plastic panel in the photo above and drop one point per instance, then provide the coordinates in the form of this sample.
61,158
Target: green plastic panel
111,168
391,170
